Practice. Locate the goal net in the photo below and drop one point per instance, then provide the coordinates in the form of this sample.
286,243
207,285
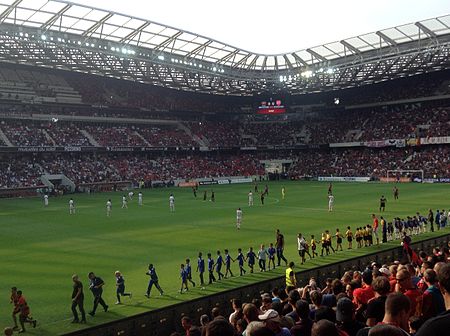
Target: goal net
400,175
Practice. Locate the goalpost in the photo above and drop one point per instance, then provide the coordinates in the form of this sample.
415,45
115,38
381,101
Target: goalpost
398,173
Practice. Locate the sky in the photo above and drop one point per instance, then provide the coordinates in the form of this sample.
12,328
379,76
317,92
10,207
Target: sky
278,26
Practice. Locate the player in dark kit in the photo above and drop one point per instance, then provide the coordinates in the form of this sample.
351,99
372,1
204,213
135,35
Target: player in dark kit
189,272
382,203
240,258
219,263
120,287
96,286
194,190
212,278
271,251
251,257
395,193
78,300
183,276
279,245
153,281
228,261
262,198
201,267
266,190
213,196
205,195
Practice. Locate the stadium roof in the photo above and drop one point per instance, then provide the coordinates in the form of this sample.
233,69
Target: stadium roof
80,38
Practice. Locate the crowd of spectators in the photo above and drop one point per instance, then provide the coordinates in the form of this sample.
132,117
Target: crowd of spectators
218,134
166,136
18,172
67,135
115,135
22,133
113,168
344,126
372,162
398,299
90,168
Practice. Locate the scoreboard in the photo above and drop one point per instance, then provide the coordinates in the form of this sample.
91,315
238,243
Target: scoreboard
271,107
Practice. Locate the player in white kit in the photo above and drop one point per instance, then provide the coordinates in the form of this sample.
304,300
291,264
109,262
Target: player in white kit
71,207
130,195
46,200
330,202
140,198
108,208
250,198
238,218
124,202
172,203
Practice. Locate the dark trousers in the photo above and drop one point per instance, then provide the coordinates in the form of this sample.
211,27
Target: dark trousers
202,282
99,300
80,305
219,272
280,256
121,292
150,285
211,276
190,280
262,264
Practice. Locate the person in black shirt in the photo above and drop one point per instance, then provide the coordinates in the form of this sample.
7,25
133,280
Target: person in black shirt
205,195
78,300
382,203
96,286
375,306
120,287
262,198
279,244
213,196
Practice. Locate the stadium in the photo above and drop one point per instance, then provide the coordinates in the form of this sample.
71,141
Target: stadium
173,184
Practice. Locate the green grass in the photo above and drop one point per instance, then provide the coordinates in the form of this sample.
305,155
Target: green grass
40,248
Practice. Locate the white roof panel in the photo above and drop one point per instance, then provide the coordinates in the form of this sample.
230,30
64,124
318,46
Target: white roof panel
114,27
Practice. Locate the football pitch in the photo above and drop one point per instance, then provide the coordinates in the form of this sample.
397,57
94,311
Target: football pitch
40,248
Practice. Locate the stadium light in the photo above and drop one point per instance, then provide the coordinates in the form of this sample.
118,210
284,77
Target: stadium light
307,74
214,69
43,37
330,71
161,57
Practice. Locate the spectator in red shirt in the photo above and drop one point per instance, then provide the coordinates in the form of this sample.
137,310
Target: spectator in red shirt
405,286
361,296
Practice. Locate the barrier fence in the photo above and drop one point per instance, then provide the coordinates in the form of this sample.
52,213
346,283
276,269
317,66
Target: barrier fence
164,321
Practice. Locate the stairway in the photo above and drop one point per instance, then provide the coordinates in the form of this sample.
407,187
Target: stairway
90,138
48,137
187,130
5,139
142,138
